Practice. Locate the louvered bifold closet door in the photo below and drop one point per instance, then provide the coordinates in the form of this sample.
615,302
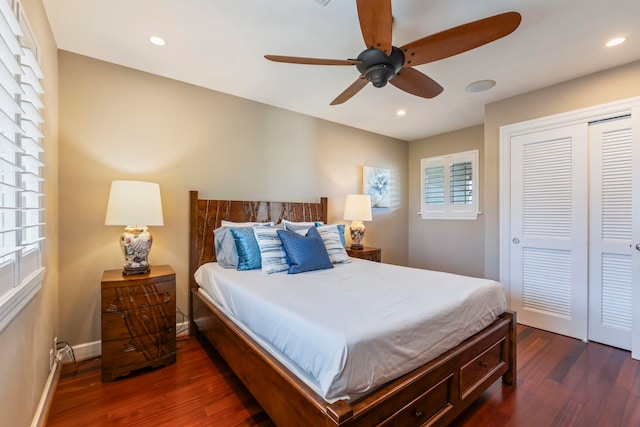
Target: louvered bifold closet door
610,232
549,230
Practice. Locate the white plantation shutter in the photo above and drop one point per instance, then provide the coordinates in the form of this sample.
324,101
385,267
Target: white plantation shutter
21,198
449,186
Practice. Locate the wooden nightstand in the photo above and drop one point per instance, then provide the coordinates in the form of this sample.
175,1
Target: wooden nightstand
368,253
138,320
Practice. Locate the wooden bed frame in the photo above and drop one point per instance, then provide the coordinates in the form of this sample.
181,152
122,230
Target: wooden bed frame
432,395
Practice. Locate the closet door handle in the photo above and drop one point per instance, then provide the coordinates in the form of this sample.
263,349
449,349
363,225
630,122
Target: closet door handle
637,246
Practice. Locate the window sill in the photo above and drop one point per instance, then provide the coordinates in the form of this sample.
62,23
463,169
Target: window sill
468,216
12,302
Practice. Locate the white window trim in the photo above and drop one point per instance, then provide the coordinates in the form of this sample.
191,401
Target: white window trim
13,301
447,210
17,298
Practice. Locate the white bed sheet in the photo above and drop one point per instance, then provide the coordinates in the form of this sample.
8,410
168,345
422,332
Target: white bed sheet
347,330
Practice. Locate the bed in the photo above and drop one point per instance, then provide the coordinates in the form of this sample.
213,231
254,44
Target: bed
433,393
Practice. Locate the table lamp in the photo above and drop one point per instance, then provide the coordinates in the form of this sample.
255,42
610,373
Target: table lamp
357,208
136,205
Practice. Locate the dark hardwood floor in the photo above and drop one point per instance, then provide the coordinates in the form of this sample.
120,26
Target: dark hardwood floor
561,382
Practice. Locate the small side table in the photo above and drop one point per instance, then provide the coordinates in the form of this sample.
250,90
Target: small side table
138,320
369,253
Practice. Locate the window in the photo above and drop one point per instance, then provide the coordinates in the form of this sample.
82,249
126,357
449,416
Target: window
21,199
449,186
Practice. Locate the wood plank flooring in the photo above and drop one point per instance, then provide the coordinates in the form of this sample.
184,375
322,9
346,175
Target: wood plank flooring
561,382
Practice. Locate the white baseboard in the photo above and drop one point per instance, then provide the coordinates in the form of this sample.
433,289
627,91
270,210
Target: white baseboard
42,412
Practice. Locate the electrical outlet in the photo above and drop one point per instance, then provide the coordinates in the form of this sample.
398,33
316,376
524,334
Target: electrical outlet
51,359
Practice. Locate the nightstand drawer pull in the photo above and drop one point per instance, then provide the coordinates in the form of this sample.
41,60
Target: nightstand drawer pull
129,347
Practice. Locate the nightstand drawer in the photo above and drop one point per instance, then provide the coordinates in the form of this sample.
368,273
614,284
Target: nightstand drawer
133,297
133,323
119,357
132,351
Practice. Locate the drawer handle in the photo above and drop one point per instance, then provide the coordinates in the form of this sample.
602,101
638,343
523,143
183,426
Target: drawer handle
417,414
484,364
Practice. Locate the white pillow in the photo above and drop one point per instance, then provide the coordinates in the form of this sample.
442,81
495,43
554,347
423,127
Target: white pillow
297,226
331,238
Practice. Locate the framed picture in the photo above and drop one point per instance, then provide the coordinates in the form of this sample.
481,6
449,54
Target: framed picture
376,183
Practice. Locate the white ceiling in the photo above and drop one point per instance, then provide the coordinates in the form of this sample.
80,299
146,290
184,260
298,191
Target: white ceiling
219,44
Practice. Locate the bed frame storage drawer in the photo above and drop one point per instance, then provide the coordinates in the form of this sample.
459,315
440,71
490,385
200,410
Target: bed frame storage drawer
429,406
480,368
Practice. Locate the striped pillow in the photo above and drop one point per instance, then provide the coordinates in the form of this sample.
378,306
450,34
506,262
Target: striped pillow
331,238
272,254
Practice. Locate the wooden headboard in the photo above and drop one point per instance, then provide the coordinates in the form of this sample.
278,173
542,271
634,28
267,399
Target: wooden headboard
207,215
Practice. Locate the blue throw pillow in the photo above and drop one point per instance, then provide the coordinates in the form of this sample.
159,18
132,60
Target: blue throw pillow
248,249
305,253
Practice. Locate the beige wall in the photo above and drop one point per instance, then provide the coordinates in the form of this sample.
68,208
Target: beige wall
445,245
599,88
28,338
118,123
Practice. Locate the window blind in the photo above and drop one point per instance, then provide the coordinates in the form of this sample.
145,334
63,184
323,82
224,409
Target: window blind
434,185
449,184
21,198
461,183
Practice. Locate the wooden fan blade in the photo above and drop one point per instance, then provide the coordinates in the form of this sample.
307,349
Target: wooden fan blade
350,91
311,61
375,23
460,39
414,82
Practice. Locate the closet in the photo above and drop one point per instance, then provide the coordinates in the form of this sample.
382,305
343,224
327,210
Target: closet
570,223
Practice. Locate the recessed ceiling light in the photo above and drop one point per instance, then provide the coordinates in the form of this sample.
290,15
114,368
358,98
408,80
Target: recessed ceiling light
158,41
480,86
616,41
401,113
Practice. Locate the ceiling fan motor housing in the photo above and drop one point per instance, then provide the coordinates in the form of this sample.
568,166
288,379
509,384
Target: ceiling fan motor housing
378,67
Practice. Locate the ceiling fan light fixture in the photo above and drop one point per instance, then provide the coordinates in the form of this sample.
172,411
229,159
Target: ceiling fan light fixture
380,74
480,86
378,67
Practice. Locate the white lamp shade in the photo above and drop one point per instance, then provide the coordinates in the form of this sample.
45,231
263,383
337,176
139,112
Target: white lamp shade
357,207
134,203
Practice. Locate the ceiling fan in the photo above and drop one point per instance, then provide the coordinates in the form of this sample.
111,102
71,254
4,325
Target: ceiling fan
381,62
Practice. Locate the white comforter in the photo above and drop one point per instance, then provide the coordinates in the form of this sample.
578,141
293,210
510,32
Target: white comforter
349,329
